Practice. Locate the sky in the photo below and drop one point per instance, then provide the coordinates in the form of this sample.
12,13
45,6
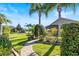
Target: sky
18,13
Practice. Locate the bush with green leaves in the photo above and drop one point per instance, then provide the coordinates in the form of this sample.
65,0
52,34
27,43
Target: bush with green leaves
39,30
70,40
5,46
59,39
6,31
53,31
50,39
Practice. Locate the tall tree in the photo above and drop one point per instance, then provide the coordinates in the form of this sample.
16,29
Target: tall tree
29,26
19,28
40,8
65,5
3,19
59,7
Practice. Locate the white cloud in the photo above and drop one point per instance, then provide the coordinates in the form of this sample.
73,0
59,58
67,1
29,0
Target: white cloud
12,9
3,9
9,8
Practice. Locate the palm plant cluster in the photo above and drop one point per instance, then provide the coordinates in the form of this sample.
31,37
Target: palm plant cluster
3,19
5,44
45,8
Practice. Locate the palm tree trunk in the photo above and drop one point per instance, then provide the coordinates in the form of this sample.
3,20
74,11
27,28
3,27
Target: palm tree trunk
39,18
59,10
59,15
0,29
39,25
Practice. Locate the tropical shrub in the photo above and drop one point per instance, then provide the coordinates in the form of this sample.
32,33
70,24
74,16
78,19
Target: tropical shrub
59,39
70,40
41,38
53,31
5,46
6,31
38,29
50,39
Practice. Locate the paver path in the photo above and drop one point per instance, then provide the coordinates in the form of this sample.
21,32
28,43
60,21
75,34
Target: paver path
27,49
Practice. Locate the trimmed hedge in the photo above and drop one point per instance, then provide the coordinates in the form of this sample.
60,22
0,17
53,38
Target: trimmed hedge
70,40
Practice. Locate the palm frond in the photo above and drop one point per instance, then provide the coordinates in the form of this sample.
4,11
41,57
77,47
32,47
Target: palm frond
69,5
49,8
3,19
32,9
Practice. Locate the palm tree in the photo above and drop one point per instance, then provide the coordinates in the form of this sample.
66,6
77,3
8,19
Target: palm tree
66,5
28,26
39,8
59,9
3,19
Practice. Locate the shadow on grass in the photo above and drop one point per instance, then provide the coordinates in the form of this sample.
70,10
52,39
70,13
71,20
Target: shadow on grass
49,51
21,43
31,42
18,39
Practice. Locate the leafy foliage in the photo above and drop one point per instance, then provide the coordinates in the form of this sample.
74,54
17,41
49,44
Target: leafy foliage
37,7
40,8
6,30
39,29
3,19
70,40
50,39
18,29
5,46
53,31
29,29
59,6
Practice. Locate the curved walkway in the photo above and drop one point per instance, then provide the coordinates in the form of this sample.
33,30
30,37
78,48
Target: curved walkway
27,49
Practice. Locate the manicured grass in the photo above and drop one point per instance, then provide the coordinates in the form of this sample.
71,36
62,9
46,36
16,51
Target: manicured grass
18,40
46,50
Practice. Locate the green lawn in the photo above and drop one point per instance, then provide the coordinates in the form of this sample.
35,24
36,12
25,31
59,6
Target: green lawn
46,50
18,40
